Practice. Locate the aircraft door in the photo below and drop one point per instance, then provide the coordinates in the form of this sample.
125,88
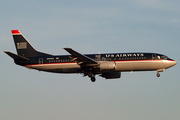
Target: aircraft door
40,60
98,57
154,57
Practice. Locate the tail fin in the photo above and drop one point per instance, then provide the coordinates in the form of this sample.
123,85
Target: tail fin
23,47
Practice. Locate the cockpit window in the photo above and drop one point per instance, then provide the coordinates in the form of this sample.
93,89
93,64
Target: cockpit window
164,57
158,57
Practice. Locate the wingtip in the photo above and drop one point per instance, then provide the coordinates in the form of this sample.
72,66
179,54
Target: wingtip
6,51
66,48
15,32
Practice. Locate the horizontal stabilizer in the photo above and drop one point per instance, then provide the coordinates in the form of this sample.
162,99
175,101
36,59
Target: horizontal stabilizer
16,57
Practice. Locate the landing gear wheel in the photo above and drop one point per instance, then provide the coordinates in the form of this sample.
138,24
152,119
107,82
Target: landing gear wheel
93,79
158,75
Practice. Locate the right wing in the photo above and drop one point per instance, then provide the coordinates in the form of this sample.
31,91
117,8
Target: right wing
81,59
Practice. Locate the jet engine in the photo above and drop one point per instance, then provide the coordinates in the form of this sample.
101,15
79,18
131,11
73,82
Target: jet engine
107,66
111,75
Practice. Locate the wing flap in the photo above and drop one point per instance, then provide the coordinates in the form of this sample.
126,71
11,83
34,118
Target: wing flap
81,59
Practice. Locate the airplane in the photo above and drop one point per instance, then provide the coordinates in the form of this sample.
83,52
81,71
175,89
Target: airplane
108,66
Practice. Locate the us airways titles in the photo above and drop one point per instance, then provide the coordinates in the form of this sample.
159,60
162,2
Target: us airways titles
126,55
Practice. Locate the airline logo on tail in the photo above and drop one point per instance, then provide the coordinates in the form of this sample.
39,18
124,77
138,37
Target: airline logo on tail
22,45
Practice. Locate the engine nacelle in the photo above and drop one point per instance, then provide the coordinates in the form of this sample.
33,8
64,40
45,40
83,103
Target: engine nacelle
107,66
111,75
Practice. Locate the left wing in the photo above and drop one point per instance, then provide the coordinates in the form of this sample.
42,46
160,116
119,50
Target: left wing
81,59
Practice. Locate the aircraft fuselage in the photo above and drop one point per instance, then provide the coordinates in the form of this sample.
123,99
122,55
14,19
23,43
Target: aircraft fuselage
138,62
108,65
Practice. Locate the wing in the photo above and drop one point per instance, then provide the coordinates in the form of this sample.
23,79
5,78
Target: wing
81,59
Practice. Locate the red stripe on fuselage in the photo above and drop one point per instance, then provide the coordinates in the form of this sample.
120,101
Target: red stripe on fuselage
171,60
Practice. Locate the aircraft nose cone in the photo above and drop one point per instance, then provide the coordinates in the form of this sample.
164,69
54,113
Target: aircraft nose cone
173,62
169,63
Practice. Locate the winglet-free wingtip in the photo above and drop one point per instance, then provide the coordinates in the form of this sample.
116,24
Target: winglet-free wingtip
66,48
14,32
6,51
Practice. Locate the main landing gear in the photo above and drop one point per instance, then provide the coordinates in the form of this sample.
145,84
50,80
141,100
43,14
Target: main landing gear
93,79
158,75
92,76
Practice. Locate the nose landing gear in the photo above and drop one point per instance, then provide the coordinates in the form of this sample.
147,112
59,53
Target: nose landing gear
93,79
160,70
158,75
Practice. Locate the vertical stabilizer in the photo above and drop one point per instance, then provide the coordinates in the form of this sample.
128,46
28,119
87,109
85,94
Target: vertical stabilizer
23,47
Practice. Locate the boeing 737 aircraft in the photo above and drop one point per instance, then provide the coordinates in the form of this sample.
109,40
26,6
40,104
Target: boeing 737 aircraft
108,65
